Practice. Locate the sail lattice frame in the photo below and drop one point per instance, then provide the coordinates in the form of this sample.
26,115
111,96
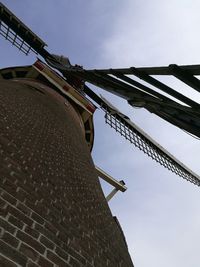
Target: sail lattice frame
165,102
14,39
145,143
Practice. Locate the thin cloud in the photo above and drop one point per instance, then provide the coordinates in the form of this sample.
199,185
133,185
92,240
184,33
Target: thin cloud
161,221
159,211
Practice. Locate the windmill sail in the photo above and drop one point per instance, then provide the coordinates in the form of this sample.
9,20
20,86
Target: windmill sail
156,97
18,33
166,102
135,135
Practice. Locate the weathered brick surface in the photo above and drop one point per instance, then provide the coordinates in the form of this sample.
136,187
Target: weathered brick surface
56,259
44,262
10,239
30,241
46,242
12,254
15,222
30,231
28,251
52,209
6,226
6,262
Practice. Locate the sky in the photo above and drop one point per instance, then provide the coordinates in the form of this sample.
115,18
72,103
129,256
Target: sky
160,212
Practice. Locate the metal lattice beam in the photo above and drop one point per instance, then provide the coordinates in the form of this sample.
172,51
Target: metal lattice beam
145,143
16,32
14,39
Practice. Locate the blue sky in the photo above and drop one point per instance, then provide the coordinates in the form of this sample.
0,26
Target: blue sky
160,212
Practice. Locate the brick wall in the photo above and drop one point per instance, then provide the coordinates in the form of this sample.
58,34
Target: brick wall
52,209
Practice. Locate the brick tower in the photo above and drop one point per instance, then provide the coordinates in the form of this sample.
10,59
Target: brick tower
52,209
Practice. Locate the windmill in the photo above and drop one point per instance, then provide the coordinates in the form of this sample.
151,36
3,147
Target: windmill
182,112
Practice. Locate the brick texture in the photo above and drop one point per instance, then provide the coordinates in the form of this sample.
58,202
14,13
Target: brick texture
52,209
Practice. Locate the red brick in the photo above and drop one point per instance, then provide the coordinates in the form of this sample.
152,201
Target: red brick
18,214
32,232
5,225
9,198
13,220
9,187
2,203
37,218
6,263
48,234
28,251
28,188
46,242
3,212
51,228
30,241
12,254
10,239
21,194
62,236
49,142
44,262
56,259
30,204
54,215
41,210
73,253
31,264
23,208
74,262
62,254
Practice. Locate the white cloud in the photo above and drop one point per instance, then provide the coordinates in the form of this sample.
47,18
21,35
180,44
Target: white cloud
159,212
156,32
